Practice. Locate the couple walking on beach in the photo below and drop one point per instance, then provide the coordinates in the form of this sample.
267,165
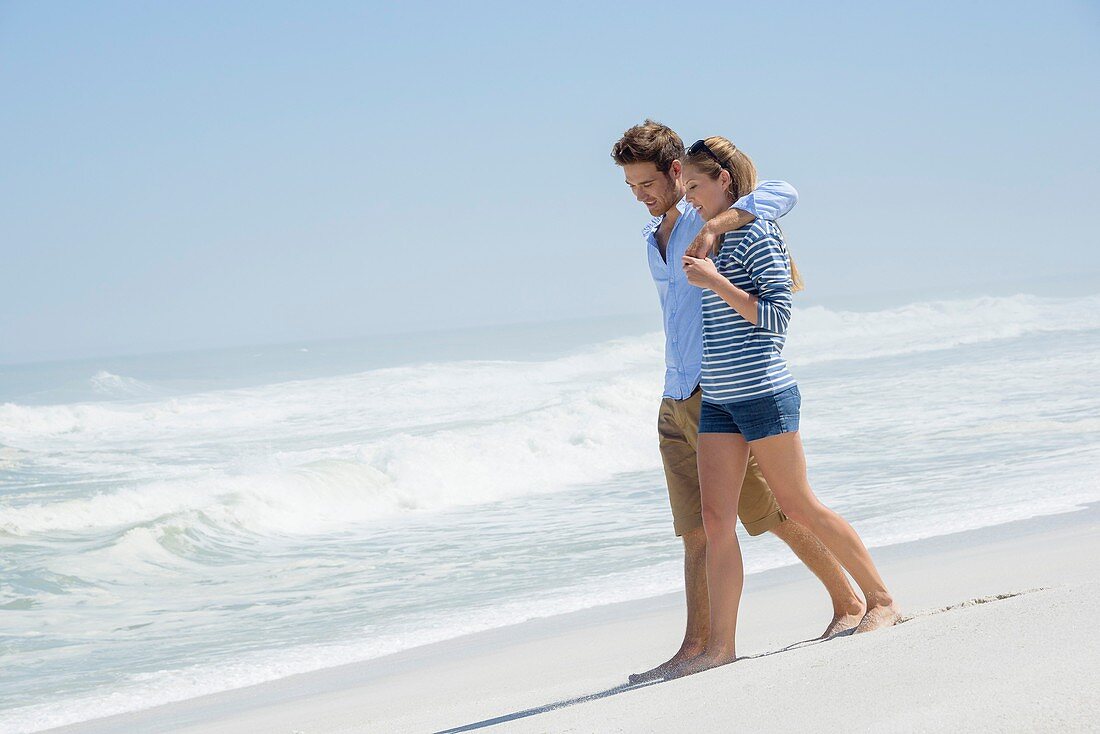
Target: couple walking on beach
728,422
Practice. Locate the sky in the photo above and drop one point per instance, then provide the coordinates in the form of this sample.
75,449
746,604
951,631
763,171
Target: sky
206,174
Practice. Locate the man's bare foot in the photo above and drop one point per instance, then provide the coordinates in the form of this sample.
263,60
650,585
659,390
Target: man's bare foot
879,616
842,622
846,615
667,669
706,661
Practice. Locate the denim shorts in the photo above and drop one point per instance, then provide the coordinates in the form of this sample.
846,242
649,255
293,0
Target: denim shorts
755,419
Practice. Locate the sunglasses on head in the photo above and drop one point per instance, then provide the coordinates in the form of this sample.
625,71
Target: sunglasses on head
700,146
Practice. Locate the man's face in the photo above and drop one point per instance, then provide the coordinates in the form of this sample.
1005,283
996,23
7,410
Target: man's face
658,191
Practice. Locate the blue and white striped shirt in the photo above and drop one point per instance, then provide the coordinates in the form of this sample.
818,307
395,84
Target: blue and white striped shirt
681,301
743,361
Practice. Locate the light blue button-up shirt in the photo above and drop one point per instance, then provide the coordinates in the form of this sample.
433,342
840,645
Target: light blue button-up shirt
681,302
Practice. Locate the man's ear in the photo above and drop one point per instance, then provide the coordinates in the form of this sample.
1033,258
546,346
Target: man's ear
675,169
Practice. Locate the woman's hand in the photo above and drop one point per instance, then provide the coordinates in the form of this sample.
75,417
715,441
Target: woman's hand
701,272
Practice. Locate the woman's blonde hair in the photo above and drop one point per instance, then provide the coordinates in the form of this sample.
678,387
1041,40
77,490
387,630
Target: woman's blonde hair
739,166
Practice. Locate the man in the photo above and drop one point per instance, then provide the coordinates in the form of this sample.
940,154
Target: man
649,155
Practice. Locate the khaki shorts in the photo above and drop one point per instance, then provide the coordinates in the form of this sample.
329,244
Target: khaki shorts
678,428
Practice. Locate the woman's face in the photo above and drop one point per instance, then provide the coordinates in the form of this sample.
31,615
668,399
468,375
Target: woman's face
706,194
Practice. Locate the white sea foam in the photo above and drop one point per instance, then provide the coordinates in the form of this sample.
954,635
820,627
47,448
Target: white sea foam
350,449
119,386
315,455
10,457
819,334
458,390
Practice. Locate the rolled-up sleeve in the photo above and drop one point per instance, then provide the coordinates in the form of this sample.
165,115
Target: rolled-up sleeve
768,266
769,200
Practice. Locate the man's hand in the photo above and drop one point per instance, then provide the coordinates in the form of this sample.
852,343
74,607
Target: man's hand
701,272
705,243
709,239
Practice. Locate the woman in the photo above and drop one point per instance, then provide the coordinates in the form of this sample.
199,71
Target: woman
750,400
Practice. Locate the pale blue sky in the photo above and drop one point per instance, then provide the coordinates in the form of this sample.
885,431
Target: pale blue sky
209,173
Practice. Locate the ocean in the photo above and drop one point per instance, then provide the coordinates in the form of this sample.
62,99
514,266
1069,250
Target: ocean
175,525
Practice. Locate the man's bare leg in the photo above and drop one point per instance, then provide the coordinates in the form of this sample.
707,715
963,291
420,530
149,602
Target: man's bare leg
848,608
698,607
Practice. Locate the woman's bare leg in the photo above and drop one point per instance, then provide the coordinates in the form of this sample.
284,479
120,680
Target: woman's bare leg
723,459
783,462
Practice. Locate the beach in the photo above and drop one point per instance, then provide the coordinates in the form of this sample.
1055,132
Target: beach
998,636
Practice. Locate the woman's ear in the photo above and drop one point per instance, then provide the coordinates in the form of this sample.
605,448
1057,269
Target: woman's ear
725,179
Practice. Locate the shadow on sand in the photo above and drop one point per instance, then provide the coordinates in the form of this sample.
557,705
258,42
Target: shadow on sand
635,686
614,691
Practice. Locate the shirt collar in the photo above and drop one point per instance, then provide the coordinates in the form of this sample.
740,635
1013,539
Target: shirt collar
650,229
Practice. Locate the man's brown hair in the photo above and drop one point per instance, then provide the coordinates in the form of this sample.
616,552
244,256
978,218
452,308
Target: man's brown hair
650,142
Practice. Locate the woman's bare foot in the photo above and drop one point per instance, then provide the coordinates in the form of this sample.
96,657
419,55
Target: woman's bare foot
667,669
879,616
